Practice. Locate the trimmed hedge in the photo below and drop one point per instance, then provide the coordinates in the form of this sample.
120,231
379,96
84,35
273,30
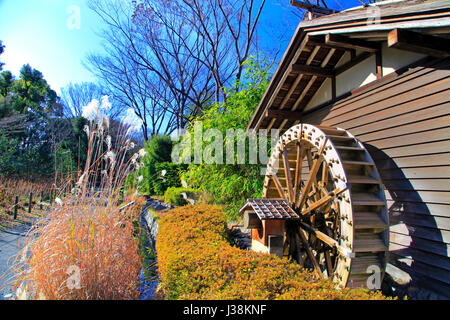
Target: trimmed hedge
197,262
173,195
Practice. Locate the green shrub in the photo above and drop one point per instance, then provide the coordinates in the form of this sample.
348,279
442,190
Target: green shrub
231,184
174,196
170,178
196,261
157,150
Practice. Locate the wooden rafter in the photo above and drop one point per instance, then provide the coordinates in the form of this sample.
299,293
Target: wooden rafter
417,42
311,82
297,81
314,71
351,43
283,114
285,76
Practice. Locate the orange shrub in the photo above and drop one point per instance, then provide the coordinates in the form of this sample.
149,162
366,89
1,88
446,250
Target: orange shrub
197,262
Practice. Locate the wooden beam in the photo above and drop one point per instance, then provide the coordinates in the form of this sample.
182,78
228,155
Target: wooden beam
350,43
283,114
358,59
417,42
311,7
319,41
314,71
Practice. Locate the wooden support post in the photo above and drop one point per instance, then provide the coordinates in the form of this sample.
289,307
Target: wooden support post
16,204
40,202
333,87
379,63
30,202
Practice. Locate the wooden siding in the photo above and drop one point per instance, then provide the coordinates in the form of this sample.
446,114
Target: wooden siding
405,124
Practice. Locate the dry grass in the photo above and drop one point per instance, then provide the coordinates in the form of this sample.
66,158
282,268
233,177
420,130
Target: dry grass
83,252
86,248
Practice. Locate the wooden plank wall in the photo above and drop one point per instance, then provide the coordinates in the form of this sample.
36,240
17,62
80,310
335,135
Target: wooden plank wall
405,124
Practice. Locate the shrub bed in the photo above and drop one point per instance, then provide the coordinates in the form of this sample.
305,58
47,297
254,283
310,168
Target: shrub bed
197,262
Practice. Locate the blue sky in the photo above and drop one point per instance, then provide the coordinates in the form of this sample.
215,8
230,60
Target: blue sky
37,32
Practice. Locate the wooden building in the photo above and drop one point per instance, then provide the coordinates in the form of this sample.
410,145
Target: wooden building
382,73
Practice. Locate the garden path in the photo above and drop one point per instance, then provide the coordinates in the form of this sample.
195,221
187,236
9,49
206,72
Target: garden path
11,242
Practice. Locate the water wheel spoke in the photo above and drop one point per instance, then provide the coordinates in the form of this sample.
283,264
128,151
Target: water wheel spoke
312,176
298,245
310,254
324,177
277,183
328,262
325,200
320,235
287,172
298,170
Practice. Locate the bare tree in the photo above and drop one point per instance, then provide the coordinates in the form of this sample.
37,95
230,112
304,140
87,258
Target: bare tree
77,95
168,60
150,72
133,85
218,34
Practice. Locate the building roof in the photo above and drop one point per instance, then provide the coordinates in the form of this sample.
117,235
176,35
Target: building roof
318,45
270,209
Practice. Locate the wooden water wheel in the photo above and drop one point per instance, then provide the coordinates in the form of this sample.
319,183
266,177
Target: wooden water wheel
329,179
